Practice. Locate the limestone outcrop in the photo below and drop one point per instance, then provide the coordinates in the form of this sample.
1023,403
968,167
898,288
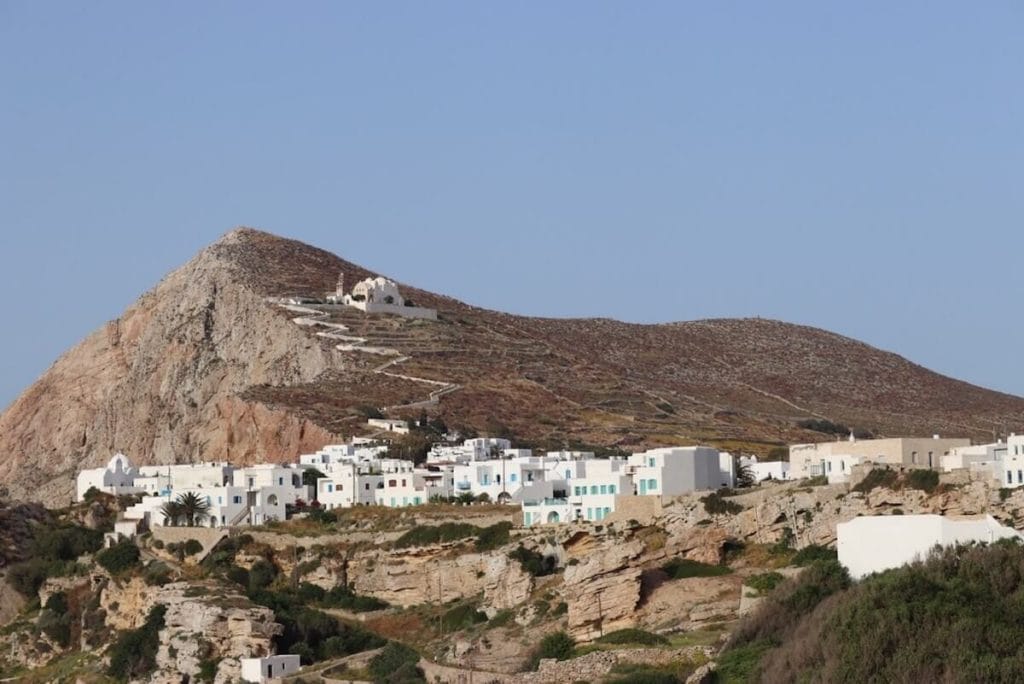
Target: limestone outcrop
603,588
203,622
162,383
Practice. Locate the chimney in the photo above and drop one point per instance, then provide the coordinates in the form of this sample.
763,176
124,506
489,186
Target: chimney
935,436
340,289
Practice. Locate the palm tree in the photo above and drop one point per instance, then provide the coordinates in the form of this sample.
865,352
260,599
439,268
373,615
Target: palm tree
172,513
194,508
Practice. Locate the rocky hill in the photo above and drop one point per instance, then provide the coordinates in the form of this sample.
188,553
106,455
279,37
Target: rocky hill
205,366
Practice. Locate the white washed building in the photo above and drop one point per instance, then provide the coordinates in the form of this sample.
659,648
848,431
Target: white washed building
766,470
267,668
379,295
672,471
117,477
870,544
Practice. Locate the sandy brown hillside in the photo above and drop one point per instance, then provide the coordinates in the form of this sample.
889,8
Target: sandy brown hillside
203,367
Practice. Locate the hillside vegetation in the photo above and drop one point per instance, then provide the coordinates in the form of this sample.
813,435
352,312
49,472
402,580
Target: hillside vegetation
958,617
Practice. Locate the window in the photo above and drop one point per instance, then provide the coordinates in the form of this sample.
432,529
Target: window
330,488
590,514
392,502
405,501
607,510
512,477
392,483
220,500
611,489
367,486
652,484
604,489
650,461
830,466
403,481
280,482
593,489
497,479
237,499
1009,477
1020,476
568,474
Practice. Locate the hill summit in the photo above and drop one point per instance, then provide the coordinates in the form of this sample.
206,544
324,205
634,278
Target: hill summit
213,363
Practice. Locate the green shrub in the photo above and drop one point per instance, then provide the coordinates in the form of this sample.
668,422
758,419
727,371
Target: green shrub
740,665
764,582
425,535
925,480
66,542
501,618
27,577
309,633
813,553
824,426
956,617
133,654
779,614
238,575
207,670
55,620
557,645
345,598
462,616
494,536
322,516
716,504
120,557
633,636
534,562
681,568
393,662
876,477
644,673
157,574
54,550
261,575
192,547
816,481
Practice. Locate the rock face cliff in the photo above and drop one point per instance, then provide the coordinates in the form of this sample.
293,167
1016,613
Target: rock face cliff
205,367
162,383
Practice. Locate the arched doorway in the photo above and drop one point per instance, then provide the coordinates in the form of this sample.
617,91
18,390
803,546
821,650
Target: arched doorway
553,517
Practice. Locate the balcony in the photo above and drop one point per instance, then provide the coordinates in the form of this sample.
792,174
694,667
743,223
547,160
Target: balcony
547,502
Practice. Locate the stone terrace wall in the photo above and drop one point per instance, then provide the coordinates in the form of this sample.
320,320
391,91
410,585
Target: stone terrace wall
207,536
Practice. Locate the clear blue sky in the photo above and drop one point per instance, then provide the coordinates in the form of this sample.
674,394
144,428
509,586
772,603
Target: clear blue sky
853,166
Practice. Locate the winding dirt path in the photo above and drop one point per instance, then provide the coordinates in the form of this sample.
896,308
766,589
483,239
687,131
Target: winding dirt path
351,343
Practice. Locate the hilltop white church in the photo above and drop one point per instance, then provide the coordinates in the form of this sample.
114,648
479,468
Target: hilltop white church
378,295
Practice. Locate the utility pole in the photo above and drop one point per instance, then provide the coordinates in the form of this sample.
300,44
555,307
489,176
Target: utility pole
440,604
